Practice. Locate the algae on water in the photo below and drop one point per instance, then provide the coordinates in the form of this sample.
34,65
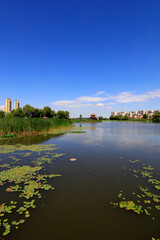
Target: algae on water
27,180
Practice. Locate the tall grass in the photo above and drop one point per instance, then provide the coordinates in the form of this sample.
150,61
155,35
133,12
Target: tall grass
30,125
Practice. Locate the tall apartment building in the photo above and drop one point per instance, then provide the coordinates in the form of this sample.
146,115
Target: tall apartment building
141,112
8,105
122,114
130,114
150,112
16,106
4,109
113,114
134,112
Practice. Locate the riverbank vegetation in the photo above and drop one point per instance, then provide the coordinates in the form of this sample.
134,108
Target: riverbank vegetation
22,126
30,120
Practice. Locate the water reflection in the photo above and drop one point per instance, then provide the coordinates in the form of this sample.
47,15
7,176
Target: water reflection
79,208
35,139
122,135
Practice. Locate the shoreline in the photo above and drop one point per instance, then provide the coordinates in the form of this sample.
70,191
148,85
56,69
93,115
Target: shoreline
35,133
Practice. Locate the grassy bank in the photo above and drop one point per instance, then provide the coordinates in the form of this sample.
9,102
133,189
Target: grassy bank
29,126
85,120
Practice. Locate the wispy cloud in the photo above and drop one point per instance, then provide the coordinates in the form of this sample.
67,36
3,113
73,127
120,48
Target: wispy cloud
123,97
100,93
2,107
99,104
128,97
64,103
110,103
73,104
89,99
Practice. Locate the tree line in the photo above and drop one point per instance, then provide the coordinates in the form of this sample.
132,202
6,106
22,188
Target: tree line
155,118
30,112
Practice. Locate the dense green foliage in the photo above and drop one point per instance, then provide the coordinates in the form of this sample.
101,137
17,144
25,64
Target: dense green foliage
31,112
18,112
62,114
118,117
20,125
100,118
2,115
156,118
145,116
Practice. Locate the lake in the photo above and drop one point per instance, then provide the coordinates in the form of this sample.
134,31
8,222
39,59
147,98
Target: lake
80,205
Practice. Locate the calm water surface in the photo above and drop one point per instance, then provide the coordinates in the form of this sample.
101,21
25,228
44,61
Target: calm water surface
79,207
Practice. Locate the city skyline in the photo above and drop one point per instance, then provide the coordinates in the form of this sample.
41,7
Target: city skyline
71,52
131,114
136,114
7,108
104,102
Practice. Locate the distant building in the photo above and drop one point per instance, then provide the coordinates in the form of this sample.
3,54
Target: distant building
16,106
157,111
93,116
134,112
139,115
150,113
141,112
113,114
122,114
4,109
8,105
130,114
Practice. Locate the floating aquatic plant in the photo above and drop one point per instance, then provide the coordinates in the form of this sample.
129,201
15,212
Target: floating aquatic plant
147,201
27,180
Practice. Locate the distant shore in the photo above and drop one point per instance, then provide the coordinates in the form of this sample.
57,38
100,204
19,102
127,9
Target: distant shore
86,120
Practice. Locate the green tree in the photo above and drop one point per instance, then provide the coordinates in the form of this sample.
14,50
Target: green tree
9,115
62,115
28,110
80,116
112,117
37,113
145,116
2,114
66,114
18,112
156,118
53,114
47,111
125,118
100,118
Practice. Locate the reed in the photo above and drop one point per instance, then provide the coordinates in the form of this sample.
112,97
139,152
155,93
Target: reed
23,126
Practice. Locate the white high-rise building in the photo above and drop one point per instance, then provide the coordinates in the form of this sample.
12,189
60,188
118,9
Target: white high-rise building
8,105
17,104
113,114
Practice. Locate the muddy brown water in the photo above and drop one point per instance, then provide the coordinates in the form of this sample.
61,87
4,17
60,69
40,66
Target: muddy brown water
79,208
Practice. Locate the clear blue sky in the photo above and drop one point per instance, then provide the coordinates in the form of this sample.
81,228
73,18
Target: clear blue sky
81,55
